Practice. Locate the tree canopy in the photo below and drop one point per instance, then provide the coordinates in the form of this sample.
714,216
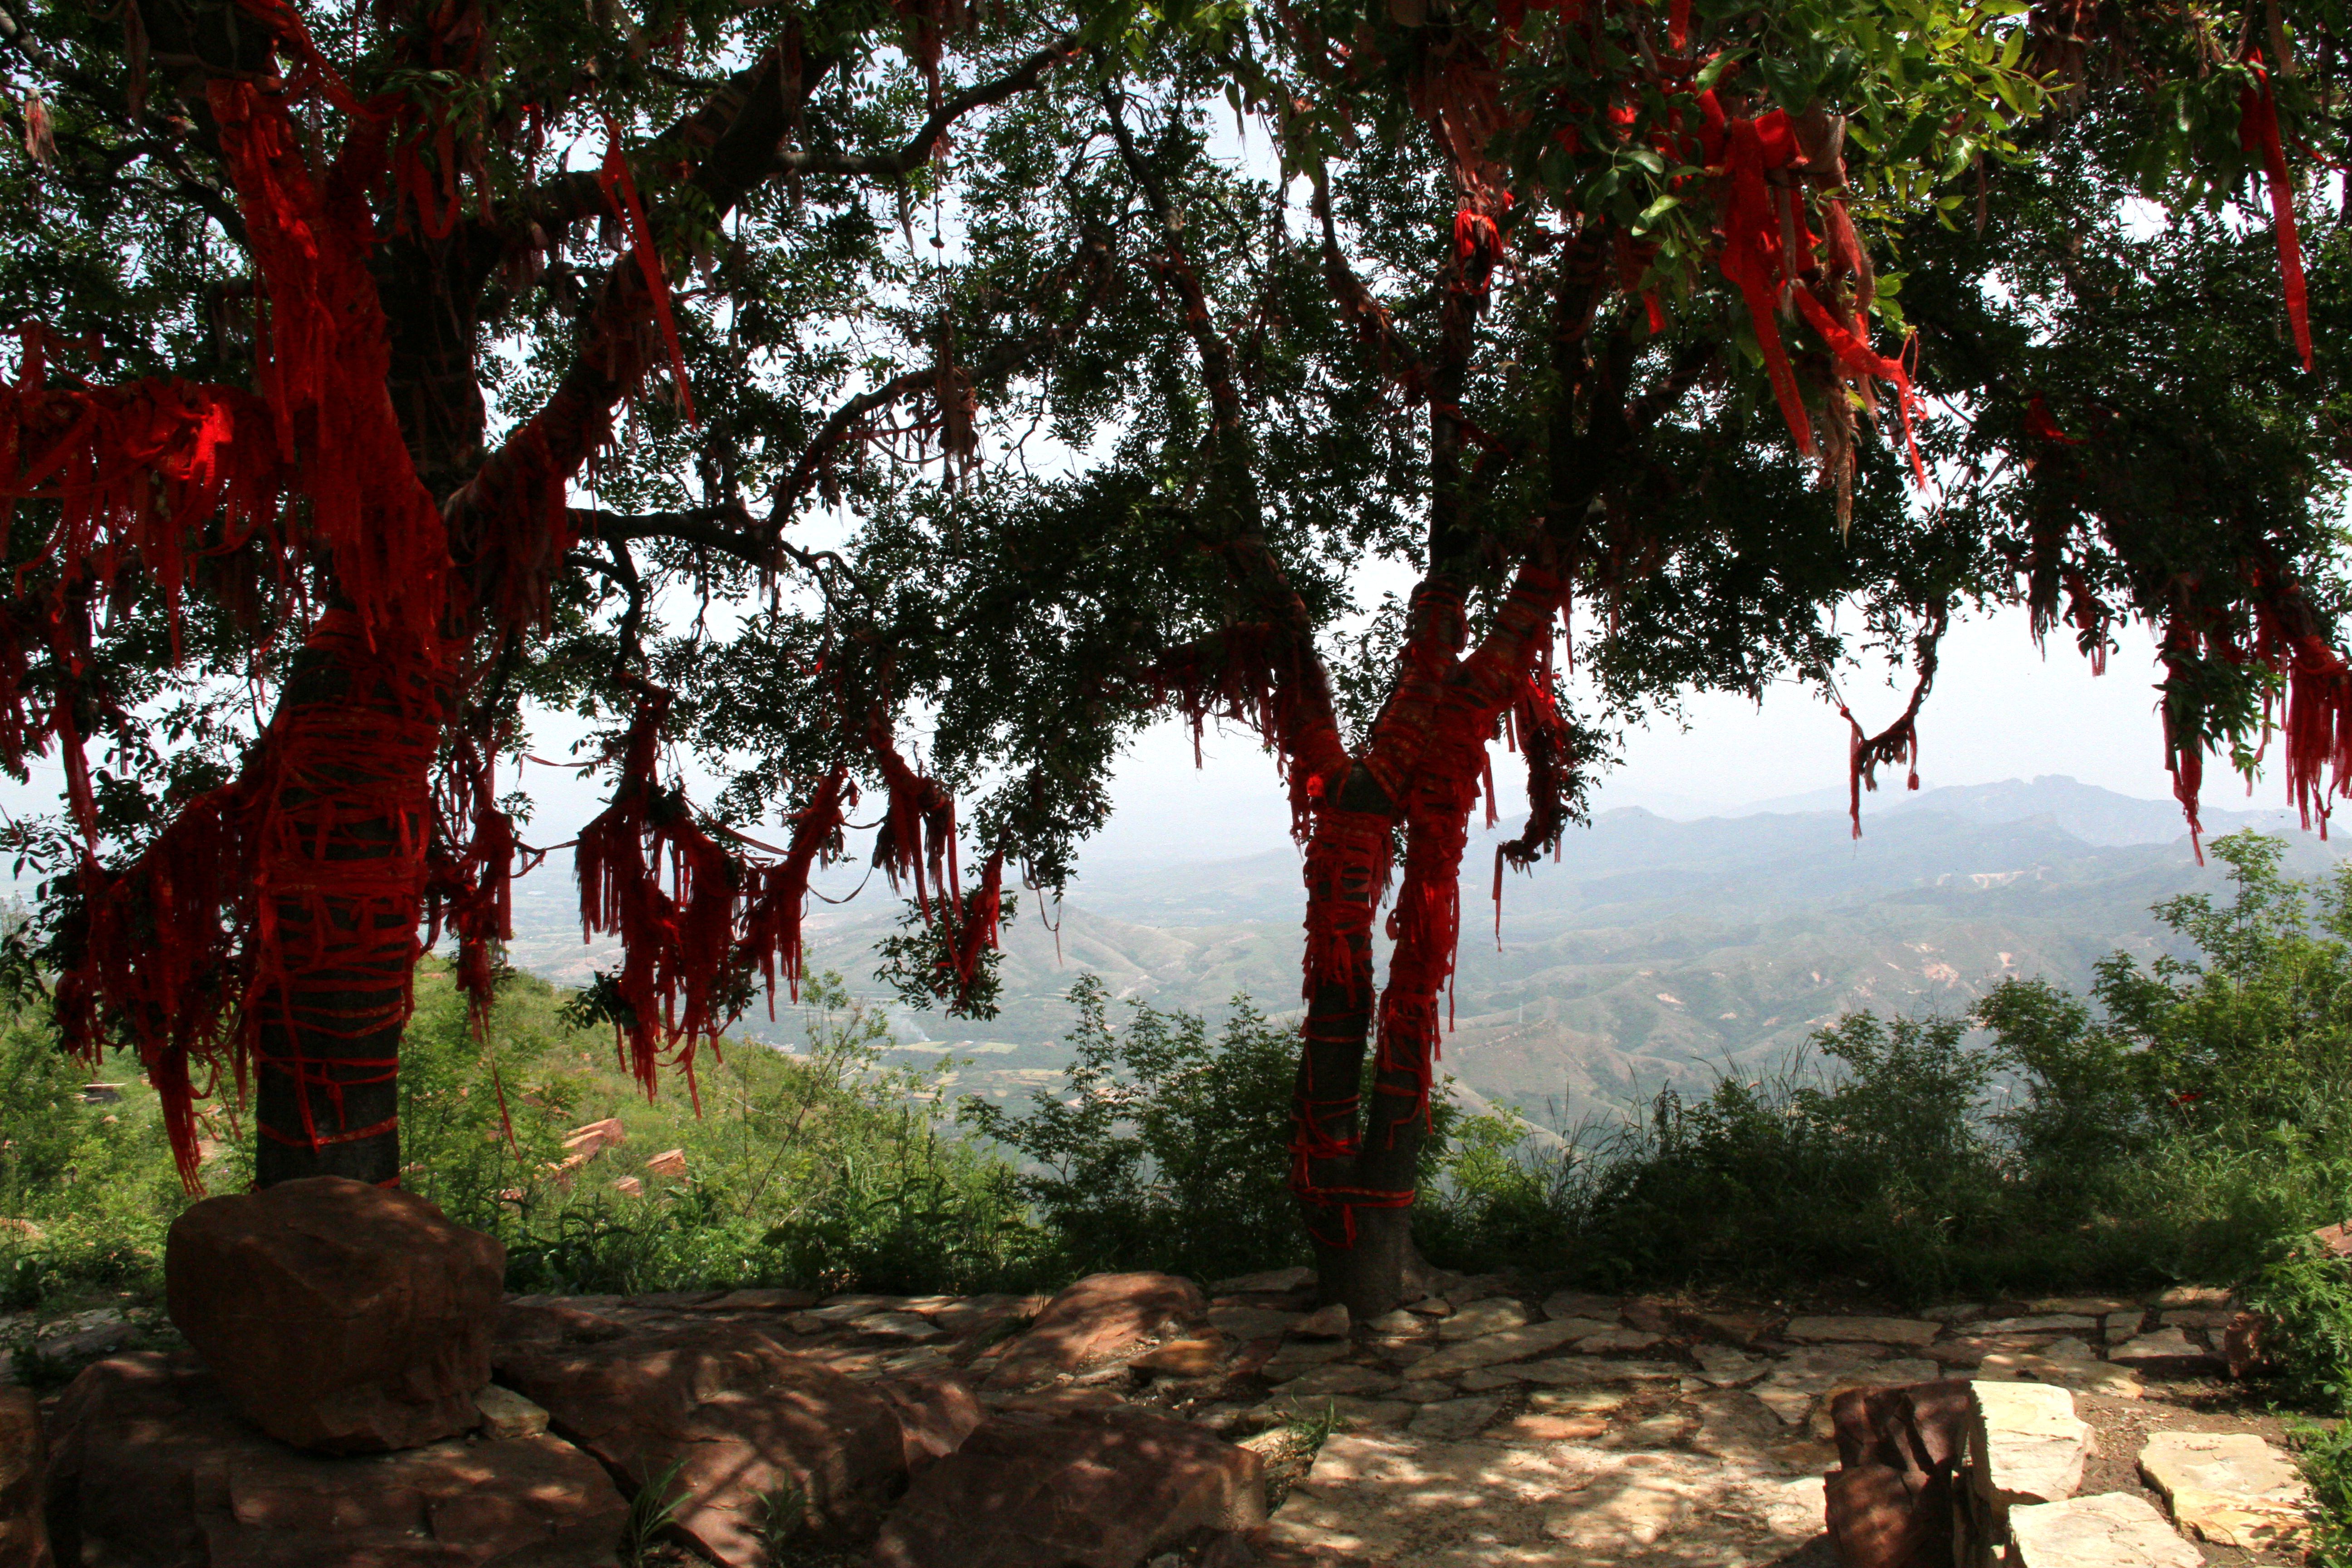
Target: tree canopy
793,384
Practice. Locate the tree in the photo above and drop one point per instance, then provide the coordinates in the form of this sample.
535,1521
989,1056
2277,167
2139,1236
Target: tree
325,327
1543,266
1548,303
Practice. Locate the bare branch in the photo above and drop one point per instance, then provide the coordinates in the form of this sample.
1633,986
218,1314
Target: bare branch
923,146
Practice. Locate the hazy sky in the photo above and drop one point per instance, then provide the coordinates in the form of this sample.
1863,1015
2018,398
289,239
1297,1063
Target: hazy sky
1999,711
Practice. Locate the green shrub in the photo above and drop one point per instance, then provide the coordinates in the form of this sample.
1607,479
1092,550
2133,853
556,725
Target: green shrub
1164,1150
2189,1119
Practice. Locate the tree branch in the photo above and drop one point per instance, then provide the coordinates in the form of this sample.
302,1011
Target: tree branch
920,148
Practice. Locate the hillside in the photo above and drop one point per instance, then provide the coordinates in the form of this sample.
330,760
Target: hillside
1655,952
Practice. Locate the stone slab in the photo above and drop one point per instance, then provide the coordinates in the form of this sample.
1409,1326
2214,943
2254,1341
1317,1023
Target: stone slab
2082,1376
1903,1331
1803,1377
1393,1498
2165,1344
2230,1489
2026,1444
2111,1530
1484,1317
1493,1349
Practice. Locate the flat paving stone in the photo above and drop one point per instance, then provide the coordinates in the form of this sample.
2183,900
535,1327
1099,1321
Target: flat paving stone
2111,1530
2229,1488
1343,1379
1580,1304
1802,1377
1492,1349
1486,1317
2041,1323
1728,1368
2081,1375
1452,1420
2166,1345
1570,1373
1395,1499
1618,1341
1862,1330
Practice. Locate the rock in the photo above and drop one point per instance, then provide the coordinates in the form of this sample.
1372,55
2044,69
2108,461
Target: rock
1337,1379
2194,1296
2207,1318
1324,1323
1905,1331
1183,1358
553,1322
1664,1430
1585,1328
840,1309
1742,1329
897,1326
1273,1281
2081,1376
2230,1489
1251,1322
2087,1306
1393,1498
1452,1420
507,1414
2336,1240
1490,1316
1580,1304
1618,1341
1400,1321
1487,1379
1803,1376
2044,1323
1345,1412
1430,1393
1493,1349
936,1411
2112,1530
1649,1314
742,1415
1578,1374
2026,1444
153,1466
968,1315
629,1187
2166,1345
1549,1426
1430,1307
670,1162
1728,1368
596,1137
761,1301
1298,1356
1097,1320
24,1534
1952,1315
2069,1348
1094,1490
337,1316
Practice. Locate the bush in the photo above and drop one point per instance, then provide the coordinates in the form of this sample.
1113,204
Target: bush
2190,1119
1165,1150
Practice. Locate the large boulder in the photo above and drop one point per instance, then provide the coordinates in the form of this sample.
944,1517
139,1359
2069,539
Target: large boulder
337,1316
743,1419
1095,1489
24,1541
1890,1503
154,1468
1098,1320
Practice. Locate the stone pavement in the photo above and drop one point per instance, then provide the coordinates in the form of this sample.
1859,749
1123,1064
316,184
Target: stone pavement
1481,1427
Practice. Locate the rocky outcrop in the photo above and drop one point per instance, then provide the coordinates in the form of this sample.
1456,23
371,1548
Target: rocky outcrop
153,1466
1085,1489
1098,1320
741,1418
336,1315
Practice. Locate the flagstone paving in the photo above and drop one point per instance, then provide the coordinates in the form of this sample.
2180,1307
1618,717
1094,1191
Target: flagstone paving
1489,1426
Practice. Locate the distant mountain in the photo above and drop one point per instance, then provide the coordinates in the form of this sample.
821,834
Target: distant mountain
2093,814
1655,952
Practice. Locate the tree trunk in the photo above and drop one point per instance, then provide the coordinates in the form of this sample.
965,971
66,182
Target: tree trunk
340,871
